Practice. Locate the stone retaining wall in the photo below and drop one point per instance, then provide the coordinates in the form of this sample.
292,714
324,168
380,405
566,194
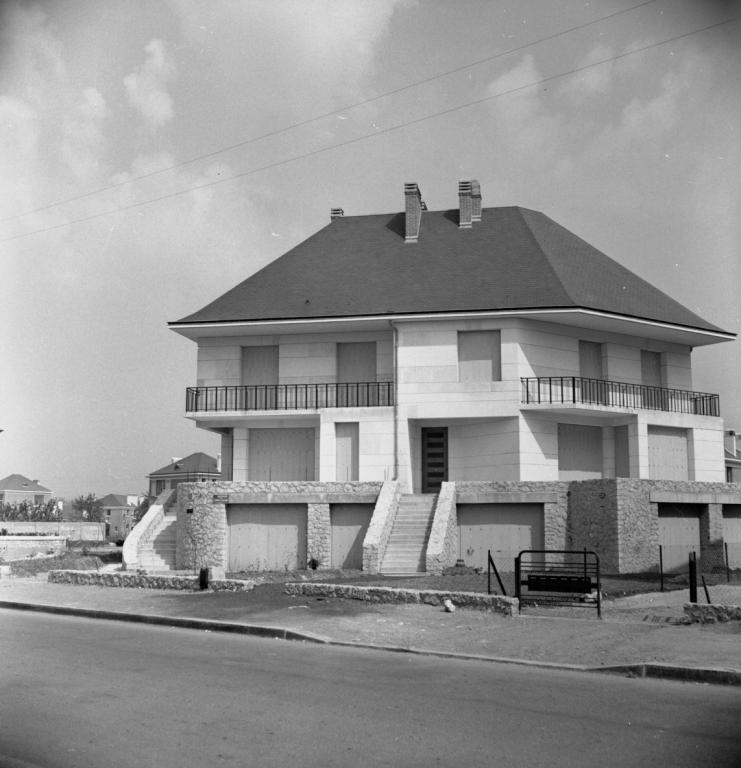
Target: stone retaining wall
379,530
507,606
143,581
442,547
712,614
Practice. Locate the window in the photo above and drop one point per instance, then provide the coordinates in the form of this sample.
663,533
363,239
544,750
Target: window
479,356
259,365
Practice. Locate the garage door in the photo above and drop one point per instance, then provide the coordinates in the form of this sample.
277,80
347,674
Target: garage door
281,454
266,537
505,529
349,525
679,533
732,533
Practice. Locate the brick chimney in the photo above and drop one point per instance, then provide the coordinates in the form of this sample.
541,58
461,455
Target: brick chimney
475,201
336,213
466,204
413,207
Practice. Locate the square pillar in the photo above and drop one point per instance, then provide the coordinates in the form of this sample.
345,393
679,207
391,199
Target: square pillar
319,535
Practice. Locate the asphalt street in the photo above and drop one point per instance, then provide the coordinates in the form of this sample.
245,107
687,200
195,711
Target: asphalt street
77,692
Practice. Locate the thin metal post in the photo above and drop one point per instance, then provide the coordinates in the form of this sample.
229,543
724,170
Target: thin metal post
517,577
693,578
661,566
488,572
728,569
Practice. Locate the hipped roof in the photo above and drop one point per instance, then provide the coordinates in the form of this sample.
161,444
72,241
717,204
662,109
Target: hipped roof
513,259
193,464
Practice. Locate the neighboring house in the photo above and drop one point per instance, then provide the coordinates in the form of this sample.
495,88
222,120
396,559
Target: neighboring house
118,512
484,375
733,457
196,468
16,488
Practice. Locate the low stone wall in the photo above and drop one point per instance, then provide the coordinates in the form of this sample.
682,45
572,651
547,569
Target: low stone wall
712,614
143,581
442,546
18,547
507,606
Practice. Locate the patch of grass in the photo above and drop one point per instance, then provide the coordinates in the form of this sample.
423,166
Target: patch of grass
34,566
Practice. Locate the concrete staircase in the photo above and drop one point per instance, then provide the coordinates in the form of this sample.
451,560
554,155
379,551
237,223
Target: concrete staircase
407,545
159,553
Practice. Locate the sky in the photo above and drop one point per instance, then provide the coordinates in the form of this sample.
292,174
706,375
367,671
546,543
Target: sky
155,154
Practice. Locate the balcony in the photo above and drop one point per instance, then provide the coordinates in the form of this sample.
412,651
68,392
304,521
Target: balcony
616,394
289,397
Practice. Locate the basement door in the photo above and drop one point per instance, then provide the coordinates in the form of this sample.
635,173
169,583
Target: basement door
266,537
505,529
349,525
679,533
281,454
434,458
732,533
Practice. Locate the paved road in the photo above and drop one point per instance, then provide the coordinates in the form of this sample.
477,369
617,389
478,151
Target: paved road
76,692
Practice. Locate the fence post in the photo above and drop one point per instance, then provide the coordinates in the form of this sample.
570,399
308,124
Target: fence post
488,572
661,566
728,568
517,577
693,577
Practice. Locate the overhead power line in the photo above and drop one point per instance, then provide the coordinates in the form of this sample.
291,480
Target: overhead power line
378,132
325,115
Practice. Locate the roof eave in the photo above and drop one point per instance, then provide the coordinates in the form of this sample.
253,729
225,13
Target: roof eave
688,335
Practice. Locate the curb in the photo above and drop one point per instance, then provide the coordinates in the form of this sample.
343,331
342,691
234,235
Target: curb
716,676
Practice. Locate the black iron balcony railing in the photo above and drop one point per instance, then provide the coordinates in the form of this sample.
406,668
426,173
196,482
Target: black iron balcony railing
578,390
289,397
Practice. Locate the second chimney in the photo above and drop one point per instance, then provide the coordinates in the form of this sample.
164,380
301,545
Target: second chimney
466,204
412,212
475,201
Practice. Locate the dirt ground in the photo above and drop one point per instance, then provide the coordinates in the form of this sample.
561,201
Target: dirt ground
635,629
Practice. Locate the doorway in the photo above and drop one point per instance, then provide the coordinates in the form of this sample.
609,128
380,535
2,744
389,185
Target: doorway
434,458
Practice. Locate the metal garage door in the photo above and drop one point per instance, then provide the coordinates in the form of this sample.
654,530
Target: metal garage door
679,533
732,533
505,529
349,525
266,537
281,454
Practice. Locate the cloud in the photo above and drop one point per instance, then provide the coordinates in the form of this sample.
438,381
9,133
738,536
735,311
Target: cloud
146,88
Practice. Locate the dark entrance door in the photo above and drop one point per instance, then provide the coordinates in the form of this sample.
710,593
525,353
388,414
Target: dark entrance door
434,458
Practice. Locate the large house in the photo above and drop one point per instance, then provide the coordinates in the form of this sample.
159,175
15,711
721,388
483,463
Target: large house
195,468
405,390
119,512
15,489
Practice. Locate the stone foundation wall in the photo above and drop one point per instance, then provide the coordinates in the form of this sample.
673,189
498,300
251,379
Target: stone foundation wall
202,530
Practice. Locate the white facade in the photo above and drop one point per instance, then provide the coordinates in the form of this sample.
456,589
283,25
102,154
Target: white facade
445,386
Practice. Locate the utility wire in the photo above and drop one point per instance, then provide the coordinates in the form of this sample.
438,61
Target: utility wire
379,132
310,120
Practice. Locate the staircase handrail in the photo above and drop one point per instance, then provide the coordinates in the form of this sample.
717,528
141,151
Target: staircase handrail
379,530
145,530
441,545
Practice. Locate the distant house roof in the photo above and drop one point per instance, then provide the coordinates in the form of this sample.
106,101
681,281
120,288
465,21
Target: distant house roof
114,500
21,483
196,463
514,258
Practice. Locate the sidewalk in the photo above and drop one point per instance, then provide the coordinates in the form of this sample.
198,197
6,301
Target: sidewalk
634,632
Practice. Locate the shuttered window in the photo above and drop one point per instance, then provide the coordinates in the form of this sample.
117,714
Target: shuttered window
479,356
